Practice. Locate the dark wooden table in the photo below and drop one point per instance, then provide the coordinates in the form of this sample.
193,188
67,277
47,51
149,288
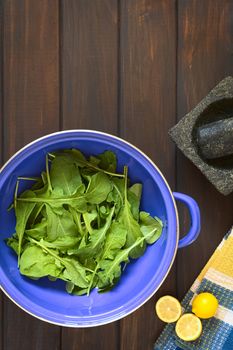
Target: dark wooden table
131,68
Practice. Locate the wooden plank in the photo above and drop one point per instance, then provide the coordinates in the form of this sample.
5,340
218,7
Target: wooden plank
89,64
102,338
205,47
30,71
148,105
1,147
31,109
89,100
1,82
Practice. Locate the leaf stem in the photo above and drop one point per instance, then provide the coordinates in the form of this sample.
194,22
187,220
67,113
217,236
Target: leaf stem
90,165
126,177
28,178
98,216
102,170
119,193
16,193
92,278
49,200
51,155
47,172
108,172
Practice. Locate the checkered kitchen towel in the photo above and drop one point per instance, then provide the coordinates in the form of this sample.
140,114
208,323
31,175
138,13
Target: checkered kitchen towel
217,278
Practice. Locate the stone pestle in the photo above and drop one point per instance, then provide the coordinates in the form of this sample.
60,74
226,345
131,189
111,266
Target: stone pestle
215,140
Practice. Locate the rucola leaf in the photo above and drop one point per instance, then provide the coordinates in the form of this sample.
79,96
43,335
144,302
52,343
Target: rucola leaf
151,228
131,225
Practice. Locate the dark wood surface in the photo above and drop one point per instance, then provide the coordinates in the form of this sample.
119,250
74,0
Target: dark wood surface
132,68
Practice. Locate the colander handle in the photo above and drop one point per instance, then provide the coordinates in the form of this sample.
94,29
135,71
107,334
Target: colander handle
194,213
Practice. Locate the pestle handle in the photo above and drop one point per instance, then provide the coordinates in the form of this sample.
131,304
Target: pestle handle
215,139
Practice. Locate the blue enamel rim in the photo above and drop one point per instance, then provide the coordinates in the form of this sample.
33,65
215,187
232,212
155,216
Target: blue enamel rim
170,251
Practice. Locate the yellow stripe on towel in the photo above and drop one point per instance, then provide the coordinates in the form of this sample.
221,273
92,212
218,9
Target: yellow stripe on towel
224,250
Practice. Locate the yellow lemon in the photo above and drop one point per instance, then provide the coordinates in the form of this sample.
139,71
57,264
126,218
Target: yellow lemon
188,327
168,309
204,305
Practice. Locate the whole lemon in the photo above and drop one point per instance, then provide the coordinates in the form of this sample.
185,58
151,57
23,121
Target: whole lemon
205,305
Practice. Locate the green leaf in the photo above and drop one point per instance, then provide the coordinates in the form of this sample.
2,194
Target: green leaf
60,225
75,272
116,196
35,214
89,218
134,201
79,291
22,212
65,175
151,228
77,249
94,161
108,161
37,263
137,190
83,242
13,243
133,231
115,240
77,219
69,287
103,212
97,237
77,200
81,161
132,227
111,269
77,156
38,230
63,243
98,188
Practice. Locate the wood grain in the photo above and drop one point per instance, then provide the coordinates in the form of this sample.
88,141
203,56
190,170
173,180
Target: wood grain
31,109
31,91
89,68
1,83
1,150
101,338
89,64
147,111
205,49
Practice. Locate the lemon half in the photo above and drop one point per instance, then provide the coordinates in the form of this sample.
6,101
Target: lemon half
168,309
189,327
